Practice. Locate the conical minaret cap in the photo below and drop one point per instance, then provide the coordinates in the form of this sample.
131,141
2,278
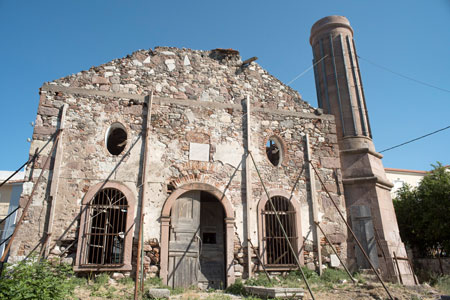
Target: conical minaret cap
328,24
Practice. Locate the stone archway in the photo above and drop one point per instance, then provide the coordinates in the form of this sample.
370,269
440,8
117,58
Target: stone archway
80,261
228,220
297,221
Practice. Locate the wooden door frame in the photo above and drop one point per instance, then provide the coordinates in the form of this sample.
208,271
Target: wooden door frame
229,227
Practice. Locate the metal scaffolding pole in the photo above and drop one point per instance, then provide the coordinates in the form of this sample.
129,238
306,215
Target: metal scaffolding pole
282,227
25,209
335,252
352,233
139,268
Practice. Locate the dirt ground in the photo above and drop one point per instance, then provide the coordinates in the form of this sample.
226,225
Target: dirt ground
343,292
347,291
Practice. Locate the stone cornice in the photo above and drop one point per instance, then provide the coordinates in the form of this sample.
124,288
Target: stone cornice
368,179
361,151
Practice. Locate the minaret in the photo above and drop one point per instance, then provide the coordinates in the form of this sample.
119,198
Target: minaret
367,190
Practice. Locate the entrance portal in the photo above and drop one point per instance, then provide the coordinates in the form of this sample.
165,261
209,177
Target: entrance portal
197,242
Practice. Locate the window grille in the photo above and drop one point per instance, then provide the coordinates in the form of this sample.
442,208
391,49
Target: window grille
106,228
276,248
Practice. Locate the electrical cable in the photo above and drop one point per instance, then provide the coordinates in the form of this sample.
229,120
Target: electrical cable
404,76
306,71
420,137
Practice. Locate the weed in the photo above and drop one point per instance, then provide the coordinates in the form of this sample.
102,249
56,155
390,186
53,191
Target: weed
443,283
127,281
310,275
78,281
359,277
176,291
218,297
37,279
102,279
237,288
333,275
154,281
259,281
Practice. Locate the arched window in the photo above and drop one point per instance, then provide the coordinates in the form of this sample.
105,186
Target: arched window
275,246
105,233
107,226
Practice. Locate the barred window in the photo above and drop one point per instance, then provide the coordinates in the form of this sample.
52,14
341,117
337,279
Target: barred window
106,228
276,248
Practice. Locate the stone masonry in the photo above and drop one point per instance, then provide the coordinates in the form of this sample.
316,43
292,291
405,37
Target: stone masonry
367,189
199,97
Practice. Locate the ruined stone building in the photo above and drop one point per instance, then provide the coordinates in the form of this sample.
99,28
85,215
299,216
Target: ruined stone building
166,134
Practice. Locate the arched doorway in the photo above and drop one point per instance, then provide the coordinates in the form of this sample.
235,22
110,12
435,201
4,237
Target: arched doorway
197,238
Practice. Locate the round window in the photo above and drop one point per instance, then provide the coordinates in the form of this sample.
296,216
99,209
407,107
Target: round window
116,139
273,151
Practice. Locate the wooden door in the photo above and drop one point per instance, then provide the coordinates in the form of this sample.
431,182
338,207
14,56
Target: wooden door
184,241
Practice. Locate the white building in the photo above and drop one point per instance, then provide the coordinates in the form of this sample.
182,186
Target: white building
9,201
400,176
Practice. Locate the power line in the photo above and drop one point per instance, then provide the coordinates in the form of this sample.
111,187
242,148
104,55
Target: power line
404,76
420,137
304,72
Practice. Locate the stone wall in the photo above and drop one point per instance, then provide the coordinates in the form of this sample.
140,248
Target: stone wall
432,265
198,97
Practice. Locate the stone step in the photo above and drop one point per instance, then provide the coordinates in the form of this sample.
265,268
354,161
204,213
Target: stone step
275,292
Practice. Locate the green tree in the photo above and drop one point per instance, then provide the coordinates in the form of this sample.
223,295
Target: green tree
423,213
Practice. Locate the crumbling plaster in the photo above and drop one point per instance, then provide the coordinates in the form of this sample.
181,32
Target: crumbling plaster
198,98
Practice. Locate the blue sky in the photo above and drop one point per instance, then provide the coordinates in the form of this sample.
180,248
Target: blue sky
45,40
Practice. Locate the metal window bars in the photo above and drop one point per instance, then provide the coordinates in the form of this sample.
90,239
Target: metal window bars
106,228
276,247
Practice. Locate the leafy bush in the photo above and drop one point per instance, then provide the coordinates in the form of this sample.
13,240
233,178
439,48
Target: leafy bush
37,279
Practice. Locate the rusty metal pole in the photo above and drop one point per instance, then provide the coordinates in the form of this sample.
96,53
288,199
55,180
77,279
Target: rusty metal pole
398,267
260,260
25,209
353,234
138,263
143,193
335,252
248,189
412,270
17,171
55,182
315,209
282,227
